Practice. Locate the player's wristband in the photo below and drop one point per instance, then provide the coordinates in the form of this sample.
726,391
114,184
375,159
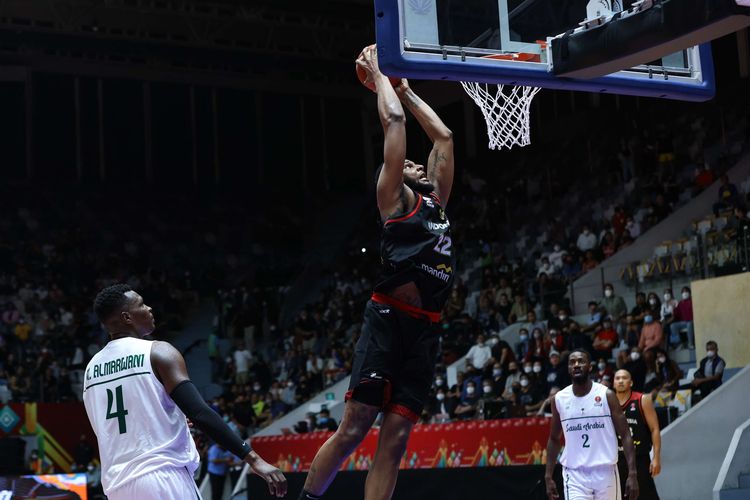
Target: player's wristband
189,400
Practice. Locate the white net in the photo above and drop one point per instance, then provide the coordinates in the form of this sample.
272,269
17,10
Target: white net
506,112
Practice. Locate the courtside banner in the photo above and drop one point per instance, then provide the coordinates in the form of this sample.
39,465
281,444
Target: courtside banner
488,443
57,486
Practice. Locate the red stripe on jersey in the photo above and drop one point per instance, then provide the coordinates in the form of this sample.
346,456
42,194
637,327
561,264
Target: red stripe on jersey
409,309
410,214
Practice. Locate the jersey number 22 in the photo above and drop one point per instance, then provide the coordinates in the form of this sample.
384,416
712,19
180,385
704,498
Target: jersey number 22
443,246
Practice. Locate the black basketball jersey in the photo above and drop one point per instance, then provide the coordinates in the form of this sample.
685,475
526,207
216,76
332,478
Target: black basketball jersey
418,247
637,423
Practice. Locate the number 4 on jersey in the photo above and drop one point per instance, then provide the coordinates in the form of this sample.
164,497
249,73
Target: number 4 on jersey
121,411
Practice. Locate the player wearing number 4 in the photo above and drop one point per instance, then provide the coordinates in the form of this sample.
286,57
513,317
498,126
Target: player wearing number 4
589,416
395,356
137,394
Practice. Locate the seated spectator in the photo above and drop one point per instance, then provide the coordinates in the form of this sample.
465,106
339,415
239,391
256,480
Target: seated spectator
480,354
683,319
633,362
546,267
586,240
524,343
498,379
577,339
728,195
556,256
467,408
454,305
514,377
652,335
562,321
571,268
552,374
528,396
667,307
633,227
632,331
608,246
603,372
532,323
605,340
502,354
667,372
639,309
503,307
503,288
704,177
442,407
519,309
324,422
710,371
589,262
651,379
546,408
554,340
594,317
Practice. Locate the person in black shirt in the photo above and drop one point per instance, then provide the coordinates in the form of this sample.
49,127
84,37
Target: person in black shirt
394,360
644,428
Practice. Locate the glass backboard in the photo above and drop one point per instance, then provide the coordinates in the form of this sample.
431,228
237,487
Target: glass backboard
505,41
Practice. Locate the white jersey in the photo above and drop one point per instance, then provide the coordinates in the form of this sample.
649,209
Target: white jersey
590,437
138,426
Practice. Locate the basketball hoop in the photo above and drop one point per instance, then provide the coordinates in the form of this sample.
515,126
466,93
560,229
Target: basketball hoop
506,112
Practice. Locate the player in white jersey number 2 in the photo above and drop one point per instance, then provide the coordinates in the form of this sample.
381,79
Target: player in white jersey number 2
590,417
137,395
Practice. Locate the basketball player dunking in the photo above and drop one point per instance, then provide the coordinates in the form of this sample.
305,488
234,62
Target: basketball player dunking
590,417
644,428
137,394
394,358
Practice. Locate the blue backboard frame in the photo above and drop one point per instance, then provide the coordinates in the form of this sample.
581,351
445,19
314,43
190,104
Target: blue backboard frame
394,60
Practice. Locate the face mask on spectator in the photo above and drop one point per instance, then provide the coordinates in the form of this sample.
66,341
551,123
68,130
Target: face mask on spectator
562,317
524,338
537,368
608,292
635,356
652,301
602,366
487,389
661,360
648,318
290,384
710,354
524,382
440,396
470,390
667,296
496,372
685,295
527,369
256,387
438,382
537,335
552,377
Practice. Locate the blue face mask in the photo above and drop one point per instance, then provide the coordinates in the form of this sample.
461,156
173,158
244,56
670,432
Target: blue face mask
648,319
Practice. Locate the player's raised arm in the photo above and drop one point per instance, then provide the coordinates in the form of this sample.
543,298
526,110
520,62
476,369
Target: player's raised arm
622,430
440,162
169,365
553,449
390,187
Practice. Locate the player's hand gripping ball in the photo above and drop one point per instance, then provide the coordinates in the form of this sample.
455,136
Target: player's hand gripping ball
366,64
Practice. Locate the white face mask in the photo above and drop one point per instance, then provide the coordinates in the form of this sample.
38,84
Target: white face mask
524,382
635,356
527,369
653,301
608,292
662,360
667,296
710,354
602,366
487,389
537,368
562,317
439,382
497,372
256,388
440,396
685,295
469,390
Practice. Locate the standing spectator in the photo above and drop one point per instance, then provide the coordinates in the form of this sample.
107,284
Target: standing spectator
613,305
479,354
710,371
652,335
683,318
636,366
728,195
467,408
218,465
242,358
586,240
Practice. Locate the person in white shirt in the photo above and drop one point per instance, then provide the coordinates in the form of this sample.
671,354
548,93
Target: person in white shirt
242,358
138,397
586,240
589,416
479,354
555,258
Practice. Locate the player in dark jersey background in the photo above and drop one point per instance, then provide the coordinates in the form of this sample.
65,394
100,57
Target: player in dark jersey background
644,427
395,356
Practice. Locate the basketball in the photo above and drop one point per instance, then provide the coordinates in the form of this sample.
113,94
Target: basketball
362,75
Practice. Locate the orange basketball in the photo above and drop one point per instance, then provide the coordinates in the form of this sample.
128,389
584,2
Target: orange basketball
362,75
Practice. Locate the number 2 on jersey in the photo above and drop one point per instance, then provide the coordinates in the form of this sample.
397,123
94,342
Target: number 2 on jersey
444,245
120,412
586,441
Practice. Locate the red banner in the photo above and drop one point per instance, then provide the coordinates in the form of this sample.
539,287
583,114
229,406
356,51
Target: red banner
487,443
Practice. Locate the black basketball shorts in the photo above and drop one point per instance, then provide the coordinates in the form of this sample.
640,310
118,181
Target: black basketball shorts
394,360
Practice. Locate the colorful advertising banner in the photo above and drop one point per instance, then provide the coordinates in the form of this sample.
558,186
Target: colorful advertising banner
57,486
487,443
